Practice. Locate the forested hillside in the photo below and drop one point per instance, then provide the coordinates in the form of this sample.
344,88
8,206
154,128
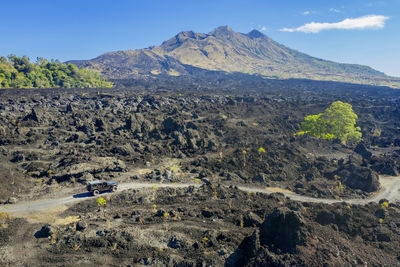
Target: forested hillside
19,72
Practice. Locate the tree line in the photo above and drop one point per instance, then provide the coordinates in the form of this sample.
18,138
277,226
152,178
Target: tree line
20,72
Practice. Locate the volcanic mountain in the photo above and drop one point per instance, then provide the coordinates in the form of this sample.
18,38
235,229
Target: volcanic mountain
228,51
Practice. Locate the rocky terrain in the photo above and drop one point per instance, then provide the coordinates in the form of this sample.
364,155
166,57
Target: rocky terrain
224,50
208,226
205,135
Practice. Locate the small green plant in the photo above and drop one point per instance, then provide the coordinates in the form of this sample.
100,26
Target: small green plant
175,168
261,151
340,186
221,155
101,201
205,241
215,195
4,215
249,194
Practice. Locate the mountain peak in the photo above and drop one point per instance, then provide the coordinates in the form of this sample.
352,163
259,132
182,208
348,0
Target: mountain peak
255,34
222,30
189,34
180,38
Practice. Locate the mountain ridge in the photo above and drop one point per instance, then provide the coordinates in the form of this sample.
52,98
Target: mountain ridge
226,50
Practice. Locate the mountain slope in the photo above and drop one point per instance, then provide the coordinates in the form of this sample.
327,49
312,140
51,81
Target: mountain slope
226,50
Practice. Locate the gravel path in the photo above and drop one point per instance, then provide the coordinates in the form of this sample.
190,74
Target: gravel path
390,191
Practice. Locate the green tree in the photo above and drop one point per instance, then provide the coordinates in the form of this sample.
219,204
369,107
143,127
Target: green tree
19,72
337,121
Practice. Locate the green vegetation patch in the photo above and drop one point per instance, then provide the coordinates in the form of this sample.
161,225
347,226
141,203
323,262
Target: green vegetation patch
19,72
337,121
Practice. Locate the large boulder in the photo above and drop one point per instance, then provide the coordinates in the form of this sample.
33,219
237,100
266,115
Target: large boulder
385,166
137,123
251,219
33,115
100,125
86,126
123,150
340,217
171,125
180,140
362,150
358,177
251,244
46,231
283,228
81,225
132,124
93,166
147,127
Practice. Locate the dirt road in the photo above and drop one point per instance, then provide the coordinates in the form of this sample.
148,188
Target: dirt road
390,191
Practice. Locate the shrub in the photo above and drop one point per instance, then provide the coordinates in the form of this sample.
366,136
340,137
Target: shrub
101,201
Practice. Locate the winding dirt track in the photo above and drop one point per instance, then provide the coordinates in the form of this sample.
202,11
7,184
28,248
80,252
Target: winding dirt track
390,191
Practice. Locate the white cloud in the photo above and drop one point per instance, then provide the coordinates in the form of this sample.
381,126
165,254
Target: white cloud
305,13
334,10
263,28
365,22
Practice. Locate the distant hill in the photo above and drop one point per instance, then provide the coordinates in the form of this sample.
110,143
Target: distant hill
228,51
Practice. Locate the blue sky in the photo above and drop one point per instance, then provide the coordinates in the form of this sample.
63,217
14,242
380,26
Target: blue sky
360,31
